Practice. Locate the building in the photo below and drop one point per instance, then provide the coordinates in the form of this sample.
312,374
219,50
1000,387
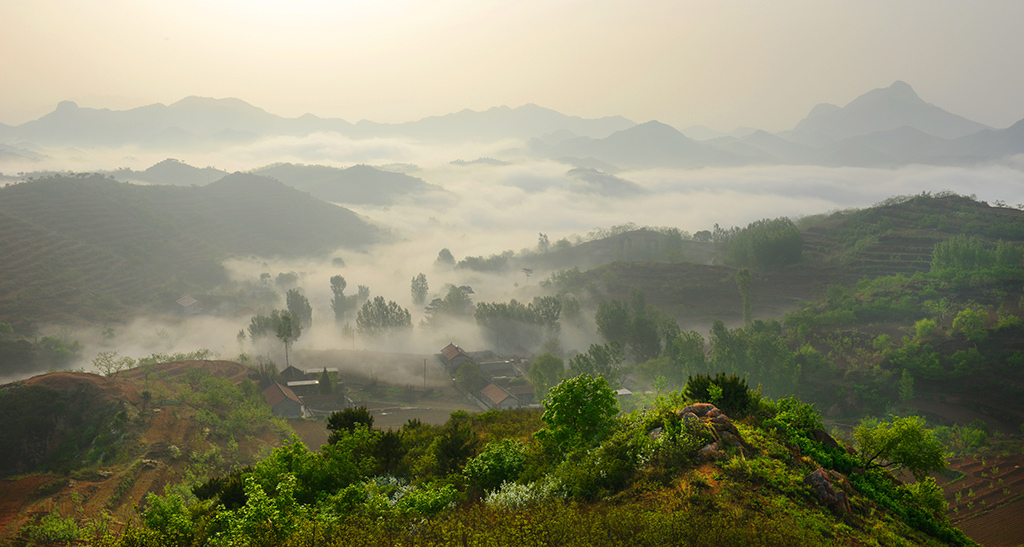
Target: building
284,402
453,357
497,398
188,305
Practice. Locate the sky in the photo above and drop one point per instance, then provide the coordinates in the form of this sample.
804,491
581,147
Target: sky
718,63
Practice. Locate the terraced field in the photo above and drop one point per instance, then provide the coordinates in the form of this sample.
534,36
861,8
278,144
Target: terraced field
987,503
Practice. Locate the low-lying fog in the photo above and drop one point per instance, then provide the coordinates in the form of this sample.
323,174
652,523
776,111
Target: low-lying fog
489,209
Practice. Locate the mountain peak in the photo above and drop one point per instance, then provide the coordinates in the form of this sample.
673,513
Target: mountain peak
67,106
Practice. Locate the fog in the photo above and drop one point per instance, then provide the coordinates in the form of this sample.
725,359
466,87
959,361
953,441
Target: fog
490,208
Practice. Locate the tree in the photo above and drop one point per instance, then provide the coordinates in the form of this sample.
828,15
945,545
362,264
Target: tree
470,377
298,306
377,317
340,303
579,411
903,443
767,243
347,420
289,329
499,462
445,258
600,360
326,383
110,363
743,283
613,321
419,289
644,338
545,371
543,243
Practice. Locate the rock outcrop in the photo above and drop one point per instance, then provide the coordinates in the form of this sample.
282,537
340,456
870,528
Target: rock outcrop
823,485
725,432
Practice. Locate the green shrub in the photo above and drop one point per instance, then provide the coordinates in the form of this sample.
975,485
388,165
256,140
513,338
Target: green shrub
499,463
729,393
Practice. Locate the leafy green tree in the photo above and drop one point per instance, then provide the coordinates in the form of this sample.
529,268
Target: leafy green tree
419,289
545,371
971,323
377,317
579,411
298,306
903,443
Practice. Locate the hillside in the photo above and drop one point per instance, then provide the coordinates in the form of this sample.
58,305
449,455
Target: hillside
88,445
677,473
87,247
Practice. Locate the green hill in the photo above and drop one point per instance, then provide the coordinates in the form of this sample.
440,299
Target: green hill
84,247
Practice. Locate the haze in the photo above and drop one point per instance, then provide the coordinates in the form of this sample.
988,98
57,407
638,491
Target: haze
716,64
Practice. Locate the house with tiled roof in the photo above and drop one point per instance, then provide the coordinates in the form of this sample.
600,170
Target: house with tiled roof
497,398
284,402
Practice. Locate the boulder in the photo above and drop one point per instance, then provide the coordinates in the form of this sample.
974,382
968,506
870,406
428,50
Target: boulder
823,486
726,433
824,438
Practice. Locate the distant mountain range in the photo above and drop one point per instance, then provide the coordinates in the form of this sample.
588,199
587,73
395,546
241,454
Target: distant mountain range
882,128
356,185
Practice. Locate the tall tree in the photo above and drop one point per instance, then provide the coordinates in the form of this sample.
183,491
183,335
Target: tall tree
419,289
289,328
340,303
298,306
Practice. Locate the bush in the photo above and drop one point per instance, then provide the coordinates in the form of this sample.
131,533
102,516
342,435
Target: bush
729,393
499,463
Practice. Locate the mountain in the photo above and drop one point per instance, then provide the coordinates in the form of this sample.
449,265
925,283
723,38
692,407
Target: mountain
993,142
701,133
359,184
189,121
201,120
525,122
86,246
880,110
651,144
171,171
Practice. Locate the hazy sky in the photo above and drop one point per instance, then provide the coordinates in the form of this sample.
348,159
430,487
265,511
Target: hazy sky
720,63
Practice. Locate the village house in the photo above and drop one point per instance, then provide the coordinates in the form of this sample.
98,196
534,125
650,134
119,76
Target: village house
284,402
453,357
497,398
